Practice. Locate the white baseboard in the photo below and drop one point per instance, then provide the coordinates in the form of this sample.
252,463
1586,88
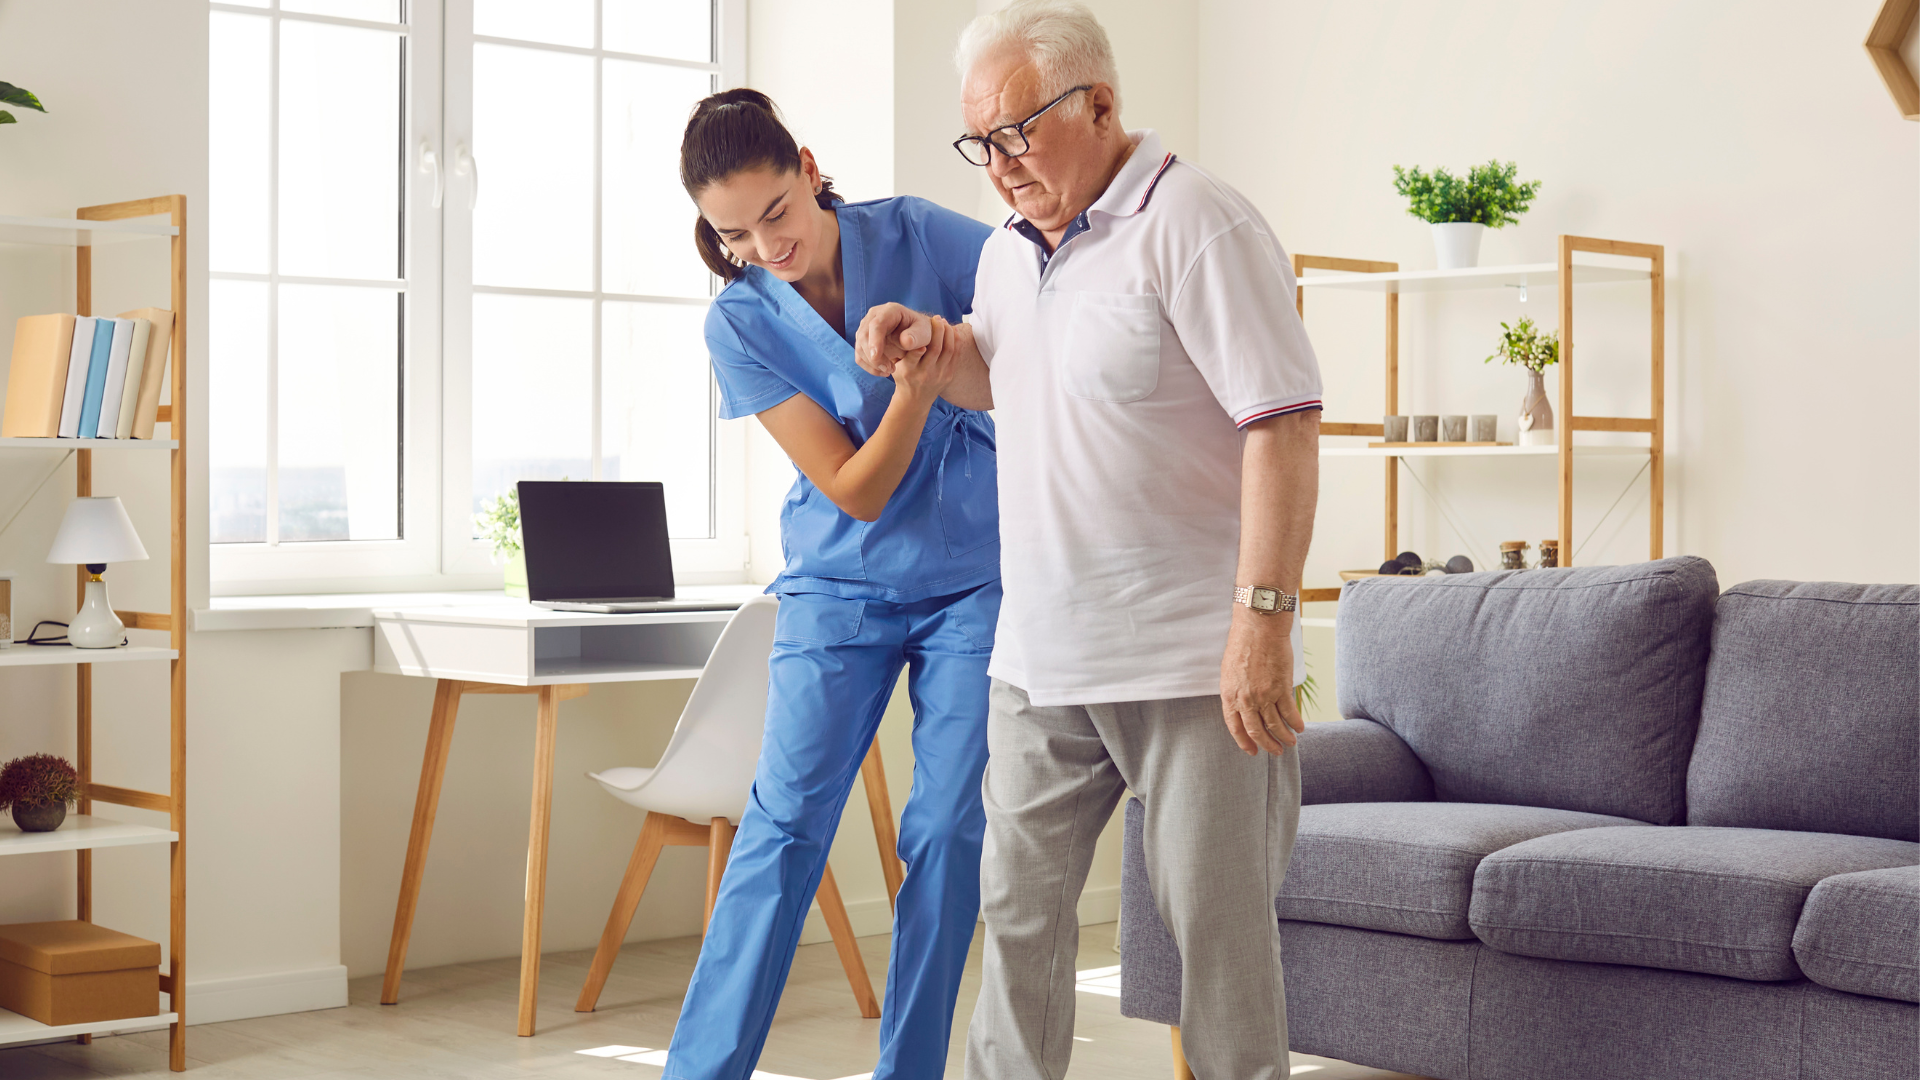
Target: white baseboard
870,917
213,1001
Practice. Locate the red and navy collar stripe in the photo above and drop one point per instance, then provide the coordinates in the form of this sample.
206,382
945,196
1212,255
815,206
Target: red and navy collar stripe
1165,163
1280,410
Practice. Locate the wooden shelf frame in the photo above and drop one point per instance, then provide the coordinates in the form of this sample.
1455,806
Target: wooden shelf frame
172,982
1565,283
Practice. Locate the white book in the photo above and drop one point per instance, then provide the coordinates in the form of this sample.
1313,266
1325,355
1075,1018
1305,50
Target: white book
130,396
77,376
116,378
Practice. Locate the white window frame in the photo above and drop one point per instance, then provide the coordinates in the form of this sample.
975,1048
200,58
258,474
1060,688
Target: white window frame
437,550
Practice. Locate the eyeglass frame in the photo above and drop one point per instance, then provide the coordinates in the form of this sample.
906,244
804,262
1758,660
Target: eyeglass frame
1019,128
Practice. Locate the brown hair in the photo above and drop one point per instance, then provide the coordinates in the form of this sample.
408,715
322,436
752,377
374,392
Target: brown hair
729,132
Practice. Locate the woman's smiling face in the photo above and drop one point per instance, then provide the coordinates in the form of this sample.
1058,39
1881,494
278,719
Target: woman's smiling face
768,219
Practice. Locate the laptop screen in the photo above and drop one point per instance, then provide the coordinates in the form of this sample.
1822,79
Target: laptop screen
593,541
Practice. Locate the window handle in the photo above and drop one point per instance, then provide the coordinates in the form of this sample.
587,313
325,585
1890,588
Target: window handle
465,165
430,163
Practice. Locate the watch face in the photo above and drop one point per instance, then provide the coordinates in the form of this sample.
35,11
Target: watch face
1266,600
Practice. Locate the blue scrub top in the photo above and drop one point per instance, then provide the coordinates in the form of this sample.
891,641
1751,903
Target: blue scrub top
940,532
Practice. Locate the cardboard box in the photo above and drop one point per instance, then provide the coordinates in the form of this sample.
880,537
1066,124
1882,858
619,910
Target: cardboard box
74,972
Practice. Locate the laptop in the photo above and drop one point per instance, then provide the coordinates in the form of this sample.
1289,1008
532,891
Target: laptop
599,547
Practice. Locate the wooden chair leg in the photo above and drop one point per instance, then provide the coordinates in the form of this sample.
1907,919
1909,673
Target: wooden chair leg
433,769
547,726
835,911
646,852
1181,1070
874,772
719,846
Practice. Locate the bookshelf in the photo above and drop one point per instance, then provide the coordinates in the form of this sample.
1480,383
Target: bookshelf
84,832
1562,276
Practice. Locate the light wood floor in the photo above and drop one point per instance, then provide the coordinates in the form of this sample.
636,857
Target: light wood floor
458,1021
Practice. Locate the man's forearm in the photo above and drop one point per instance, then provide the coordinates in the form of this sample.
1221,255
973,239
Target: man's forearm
1279,487
972,388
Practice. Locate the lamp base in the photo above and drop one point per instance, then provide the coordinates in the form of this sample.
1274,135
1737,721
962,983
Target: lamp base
95,626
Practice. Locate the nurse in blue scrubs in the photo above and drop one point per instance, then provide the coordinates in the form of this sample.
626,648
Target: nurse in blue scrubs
892,548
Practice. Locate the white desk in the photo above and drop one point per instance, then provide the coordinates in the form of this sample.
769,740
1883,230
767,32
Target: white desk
512,647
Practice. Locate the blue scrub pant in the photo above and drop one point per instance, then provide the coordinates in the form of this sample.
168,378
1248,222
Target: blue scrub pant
834,665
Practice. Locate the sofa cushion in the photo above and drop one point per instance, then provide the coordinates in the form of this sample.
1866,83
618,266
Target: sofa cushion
1861,933
1576,689
1717,901
1406,868
1811,717
1359,761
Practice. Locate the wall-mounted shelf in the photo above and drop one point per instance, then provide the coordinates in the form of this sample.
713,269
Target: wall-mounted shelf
87,444
1479,451
81,832
77,232
38,655
1542,276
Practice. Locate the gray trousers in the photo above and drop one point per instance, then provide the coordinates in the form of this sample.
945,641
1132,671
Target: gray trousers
1219,831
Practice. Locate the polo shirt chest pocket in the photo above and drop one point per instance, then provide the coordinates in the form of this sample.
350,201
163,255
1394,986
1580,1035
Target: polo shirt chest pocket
1112,347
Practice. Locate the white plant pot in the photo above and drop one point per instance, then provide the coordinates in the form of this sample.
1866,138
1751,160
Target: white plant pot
1456,244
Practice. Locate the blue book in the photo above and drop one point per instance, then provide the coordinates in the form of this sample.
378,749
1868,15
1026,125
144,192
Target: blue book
96,378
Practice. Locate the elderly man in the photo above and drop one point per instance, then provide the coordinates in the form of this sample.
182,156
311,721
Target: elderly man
1157,403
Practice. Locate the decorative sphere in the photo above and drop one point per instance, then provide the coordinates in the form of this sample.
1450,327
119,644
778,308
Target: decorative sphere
1391,568
1408,558
1459,564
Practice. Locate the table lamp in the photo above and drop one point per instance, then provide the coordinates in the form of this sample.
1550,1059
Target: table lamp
95,532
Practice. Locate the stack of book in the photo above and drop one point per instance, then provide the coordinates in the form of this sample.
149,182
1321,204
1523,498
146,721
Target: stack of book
78,377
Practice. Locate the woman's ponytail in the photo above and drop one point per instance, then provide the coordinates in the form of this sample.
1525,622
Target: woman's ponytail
729,132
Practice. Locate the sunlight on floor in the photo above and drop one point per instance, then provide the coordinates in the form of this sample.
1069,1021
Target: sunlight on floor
641,1055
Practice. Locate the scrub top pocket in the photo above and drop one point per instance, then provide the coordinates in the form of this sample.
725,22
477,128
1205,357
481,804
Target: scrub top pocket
969,488
1113,347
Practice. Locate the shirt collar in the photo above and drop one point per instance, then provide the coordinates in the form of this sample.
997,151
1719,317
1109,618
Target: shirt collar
1132,187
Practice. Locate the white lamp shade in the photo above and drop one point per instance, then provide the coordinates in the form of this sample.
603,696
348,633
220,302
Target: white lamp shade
96,530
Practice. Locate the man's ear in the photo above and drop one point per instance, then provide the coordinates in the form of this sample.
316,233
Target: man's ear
1105,116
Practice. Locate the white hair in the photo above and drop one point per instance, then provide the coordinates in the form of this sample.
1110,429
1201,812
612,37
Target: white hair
1062,38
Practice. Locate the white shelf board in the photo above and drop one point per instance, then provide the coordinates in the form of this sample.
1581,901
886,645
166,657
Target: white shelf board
1542,276
73,232
555,670
34,655
80,831
86,444
1479,451
15,1028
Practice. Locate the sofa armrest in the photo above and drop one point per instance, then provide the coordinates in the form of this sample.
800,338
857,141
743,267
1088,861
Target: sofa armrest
1357,760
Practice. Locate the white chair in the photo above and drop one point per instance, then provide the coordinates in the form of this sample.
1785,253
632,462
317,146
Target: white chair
706,775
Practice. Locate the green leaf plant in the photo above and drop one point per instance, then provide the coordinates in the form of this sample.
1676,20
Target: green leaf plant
1526,346
498,523
14,95
1488,196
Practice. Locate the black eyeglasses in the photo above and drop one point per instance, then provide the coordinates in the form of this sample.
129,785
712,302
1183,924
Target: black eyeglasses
1010,140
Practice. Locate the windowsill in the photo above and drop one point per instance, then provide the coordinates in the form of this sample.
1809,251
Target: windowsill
329,611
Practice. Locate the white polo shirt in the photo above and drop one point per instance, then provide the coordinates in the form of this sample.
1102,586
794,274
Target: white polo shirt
1123,367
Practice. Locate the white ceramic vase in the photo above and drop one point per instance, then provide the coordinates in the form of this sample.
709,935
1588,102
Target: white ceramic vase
1536,412
1456,244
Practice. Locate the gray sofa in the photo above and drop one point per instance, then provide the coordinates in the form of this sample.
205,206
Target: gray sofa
1601,823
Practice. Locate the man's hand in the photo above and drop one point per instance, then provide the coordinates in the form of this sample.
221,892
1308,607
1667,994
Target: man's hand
927,372
1256,682
888,334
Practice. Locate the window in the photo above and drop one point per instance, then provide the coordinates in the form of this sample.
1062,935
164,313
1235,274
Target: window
449,251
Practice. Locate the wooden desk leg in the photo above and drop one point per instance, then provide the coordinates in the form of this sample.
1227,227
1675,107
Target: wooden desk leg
646,852
548,725
834,909
880,805
719,846
433,769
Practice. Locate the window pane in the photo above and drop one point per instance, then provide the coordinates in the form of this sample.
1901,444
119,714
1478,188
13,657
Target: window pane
237,411
532,391
370,10
339,413
339,151
562,22
237,151
647,244
677,29
533,145
657,420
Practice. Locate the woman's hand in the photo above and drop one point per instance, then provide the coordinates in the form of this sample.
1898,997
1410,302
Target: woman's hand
926,373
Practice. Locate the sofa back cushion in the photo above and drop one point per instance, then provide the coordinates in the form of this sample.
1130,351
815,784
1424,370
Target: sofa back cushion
1811,717
1575,689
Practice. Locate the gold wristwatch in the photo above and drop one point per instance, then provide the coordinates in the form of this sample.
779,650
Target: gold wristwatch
1265,599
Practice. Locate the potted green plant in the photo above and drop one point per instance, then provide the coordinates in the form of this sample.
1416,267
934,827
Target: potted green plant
498,523
38,788
1462,210
15,95
1524,345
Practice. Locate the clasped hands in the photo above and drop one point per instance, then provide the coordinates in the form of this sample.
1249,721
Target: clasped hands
919,352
